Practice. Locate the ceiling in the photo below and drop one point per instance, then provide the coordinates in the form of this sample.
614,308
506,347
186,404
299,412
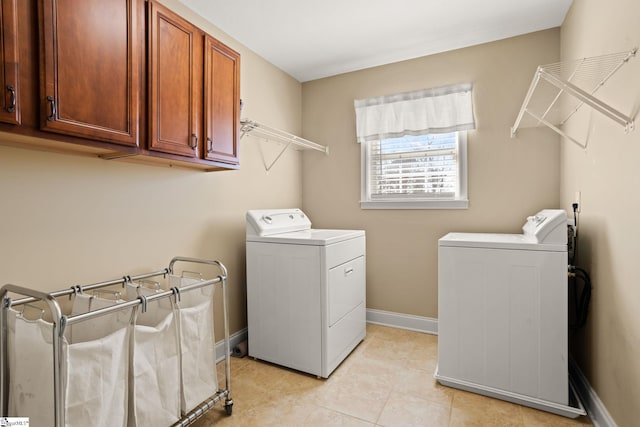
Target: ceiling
311,39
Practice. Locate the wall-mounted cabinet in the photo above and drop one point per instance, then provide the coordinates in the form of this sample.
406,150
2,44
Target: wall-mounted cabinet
119,79
175,83
221,102
10,112
194,90
90,69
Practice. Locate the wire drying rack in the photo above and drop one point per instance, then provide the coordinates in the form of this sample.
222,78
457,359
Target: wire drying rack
250,127
558,91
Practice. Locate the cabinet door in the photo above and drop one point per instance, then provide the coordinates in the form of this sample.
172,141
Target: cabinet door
221,102
175,83
10,112
91,69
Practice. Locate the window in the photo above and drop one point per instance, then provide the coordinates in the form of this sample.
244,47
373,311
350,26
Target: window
415,172
414,147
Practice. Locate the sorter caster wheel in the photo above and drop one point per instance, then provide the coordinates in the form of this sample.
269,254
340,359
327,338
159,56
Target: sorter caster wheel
228,408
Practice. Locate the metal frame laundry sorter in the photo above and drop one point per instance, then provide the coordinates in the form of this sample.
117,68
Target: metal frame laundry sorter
14,296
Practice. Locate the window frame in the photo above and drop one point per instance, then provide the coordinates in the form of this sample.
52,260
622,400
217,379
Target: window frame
459,201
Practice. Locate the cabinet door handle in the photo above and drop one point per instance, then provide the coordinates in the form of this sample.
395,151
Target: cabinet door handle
348,271
209,145
194,141
12,103
52,105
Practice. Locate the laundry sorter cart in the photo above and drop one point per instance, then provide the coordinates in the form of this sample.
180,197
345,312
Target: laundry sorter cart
133,351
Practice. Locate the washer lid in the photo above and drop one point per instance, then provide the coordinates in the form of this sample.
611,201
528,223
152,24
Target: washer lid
314,237
498,241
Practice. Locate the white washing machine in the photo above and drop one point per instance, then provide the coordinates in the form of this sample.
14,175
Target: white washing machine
305,291
502,314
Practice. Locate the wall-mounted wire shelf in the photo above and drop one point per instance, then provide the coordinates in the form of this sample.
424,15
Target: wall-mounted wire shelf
559,90
253,128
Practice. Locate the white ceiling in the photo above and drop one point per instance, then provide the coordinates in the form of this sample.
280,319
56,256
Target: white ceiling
311,39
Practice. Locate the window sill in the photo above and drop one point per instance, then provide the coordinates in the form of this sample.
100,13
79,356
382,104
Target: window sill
416,204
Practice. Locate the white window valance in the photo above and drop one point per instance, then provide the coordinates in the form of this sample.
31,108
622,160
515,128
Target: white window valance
438,110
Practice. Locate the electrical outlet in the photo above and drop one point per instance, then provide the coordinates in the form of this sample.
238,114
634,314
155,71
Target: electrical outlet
578,200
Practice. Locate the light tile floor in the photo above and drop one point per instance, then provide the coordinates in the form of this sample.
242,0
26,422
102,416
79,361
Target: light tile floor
387,381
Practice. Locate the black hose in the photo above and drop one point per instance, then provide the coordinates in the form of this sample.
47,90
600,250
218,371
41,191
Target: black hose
581,298
574,254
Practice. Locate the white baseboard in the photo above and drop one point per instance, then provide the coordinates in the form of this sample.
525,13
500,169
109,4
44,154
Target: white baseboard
403,321
596,410
234,339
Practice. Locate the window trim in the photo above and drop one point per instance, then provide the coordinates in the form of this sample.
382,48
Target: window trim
459,202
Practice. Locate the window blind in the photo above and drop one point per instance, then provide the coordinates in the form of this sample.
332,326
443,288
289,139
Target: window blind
423,166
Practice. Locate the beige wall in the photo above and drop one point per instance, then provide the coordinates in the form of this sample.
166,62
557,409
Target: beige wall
508,178
608,177
67,220
70,220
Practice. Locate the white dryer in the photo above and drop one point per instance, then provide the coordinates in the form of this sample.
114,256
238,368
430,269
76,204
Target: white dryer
502,314
305,291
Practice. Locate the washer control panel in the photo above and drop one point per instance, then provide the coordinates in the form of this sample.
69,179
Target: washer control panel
547,226
276,221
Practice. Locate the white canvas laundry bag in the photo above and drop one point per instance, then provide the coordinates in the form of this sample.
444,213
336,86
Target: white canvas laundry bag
30,360
96,372
197,343
94,368
155,366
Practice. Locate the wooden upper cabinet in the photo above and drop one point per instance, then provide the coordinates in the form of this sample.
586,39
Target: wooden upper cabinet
221,102
10,112
90,69
118,78
175,83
